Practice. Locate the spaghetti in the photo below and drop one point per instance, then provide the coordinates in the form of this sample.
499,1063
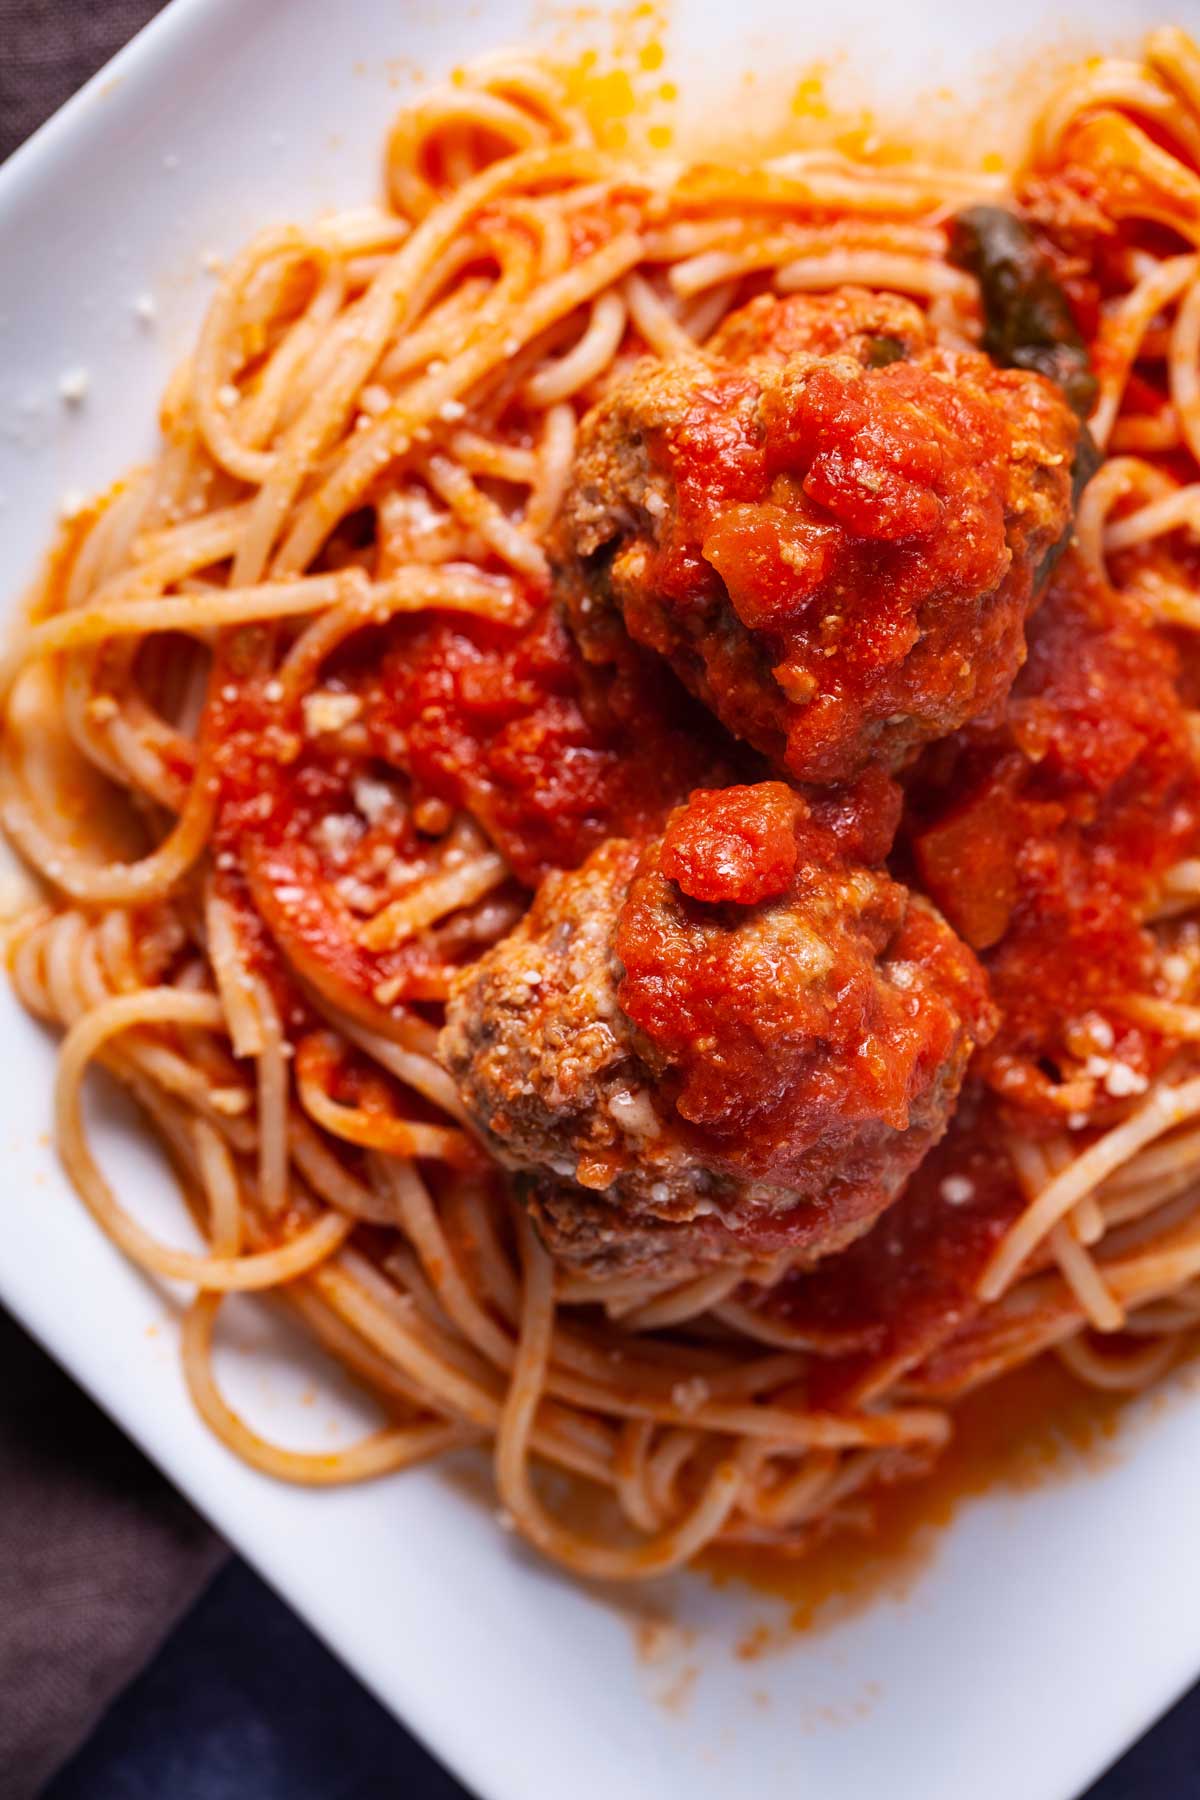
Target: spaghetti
259,877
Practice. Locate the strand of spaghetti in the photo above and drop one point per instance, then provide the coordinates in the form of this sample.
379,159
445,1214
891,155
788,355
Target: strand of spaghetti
1137,178
785,184
630,1476
360,229
364,601
484,456
353,1351
234,981
761,1328
1087,1221
656,323
376,448
223,344
795,1497
772,250
329,1178
1118,479
153,756
419,1219
527,80
381,314
803,1429
1158,1269
456,589
686,1301
1183,368
437,895
438,333
109,526
587,358
192,613
219,1177
1180,509
701,316
1126,1374
1085,1281
159,1006
410,192
1144,433
1168,1016
876,268
164,555
512,1450
638,1373
397,1447
272,1083
277,388
511,249
1178,1314
358,1300
664,1465
480,513
374,1130
1121,331
112,883
1110,82
1178,1156
1165,1108
555,451
1172,53
414,1067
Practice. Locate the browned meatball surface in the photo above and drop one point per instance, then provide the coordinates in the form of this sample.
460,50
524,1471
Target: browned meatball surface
732,1043
833,527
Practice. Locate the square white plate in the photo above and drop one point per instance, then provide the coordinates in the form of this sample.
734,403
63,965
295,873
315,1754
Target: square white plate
1052,1626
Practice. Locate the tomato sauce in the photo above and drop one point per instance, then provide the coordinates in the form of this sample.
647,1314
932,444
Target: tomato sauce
1042,840
551,755
510,724
1022,1431
898,1293
291,825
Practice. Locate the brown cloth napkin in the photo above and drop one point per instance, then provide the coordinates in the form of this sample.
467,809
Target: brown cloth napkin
48,48
98,1556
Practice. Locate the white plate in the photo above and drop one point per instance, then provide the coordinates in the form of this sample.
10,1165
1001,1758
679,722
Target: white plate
1051,1627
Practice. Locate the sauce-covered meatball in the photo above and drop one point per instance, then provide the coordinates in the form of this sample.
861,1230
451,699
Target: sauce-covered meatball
734,1041
832,527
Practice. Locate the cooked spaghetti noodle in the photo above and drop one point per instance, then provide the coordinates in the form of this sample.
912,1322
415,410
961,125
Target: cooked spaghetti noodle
371,439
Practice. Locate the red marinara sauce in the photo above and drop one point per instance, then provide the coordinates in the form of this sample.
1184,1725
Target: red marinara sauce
551,755
1042,841
506,723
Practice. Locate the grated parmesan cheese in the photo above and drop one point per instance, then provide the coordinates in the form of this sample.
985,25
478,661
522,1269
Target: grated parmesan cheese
325,711
1122,1080
374,799
73,385
956,1190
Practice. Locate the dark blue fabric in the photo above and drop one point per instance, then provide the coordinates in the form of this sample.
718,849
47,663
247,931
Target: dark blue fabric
245,1704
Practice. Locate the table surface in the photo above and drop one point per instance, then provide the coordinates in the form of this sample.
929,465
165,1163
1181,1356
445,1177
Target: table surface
243,1703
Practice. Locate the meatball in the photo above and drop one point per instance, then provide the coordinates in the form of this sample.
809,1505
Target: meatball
832,527
732,1042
